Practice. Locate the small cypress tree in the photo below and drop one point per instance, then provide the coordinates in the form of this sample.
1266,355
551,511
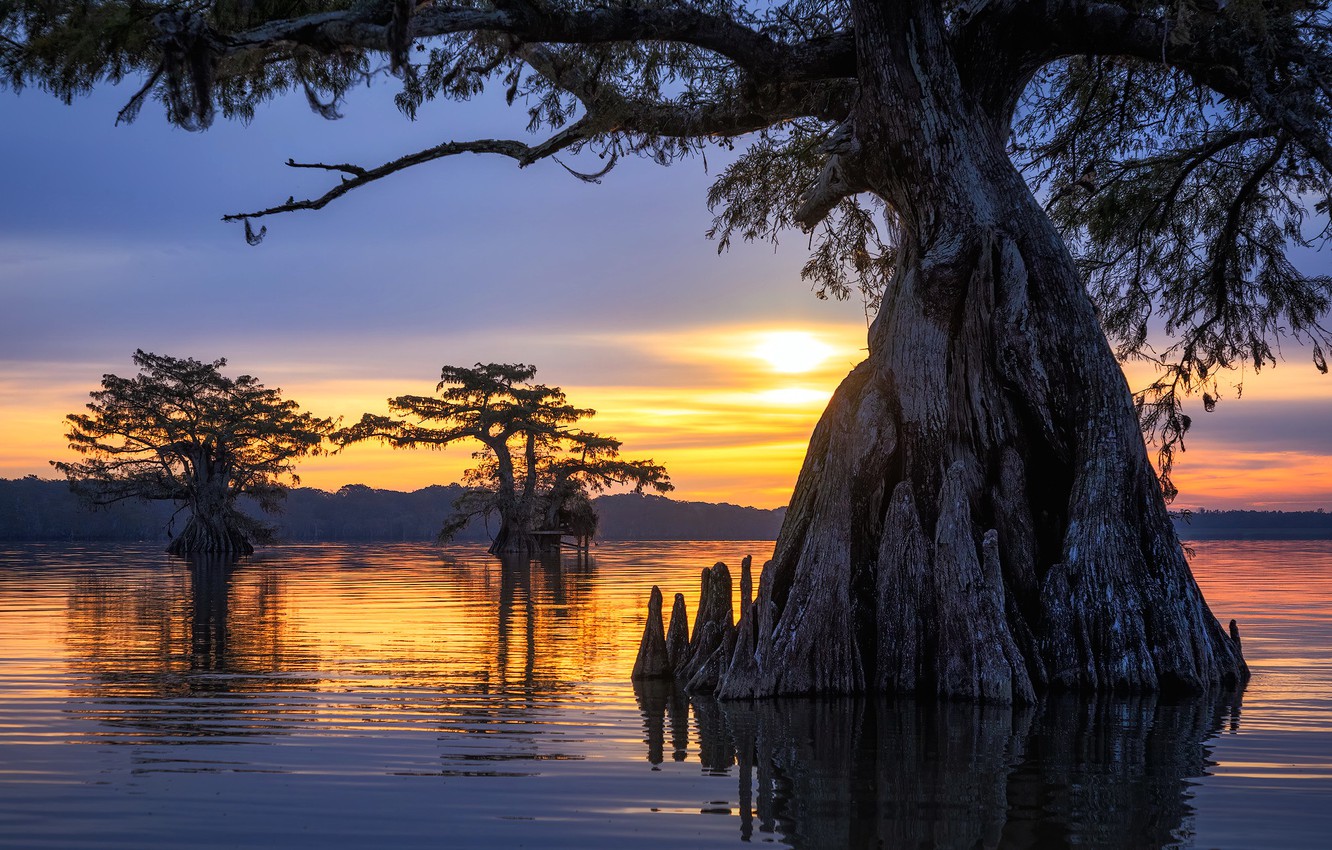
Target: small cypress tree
183,432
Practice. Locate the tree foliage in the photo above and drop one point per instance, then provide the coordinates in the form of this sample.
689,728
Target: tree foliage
1186,205
183,432
535,467
1183,146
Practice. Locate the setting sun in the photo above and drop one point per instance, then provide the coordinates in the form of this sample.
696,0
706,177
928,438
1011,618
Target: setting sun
792,351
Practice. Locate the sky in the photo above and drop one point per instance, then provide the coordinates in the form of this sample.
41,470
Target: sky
716,366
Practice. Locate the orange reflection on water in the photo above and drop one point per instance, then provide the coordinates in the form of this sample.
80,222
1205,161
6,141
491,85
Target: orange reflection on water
1280,593
422,636
355,667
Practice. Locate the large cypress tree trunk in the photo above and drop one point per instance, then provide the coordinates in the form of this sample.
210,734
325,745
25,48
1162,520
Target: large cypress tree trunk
214,527
210,534
977,516
519,520
521,512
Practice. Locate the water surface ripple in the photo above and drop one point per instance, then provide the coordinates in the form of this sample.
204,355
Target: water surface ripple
403,695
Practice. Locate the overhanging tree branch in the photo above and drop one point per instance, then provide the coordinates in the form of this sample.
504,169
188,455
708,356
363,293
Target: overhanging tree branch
522,153
1218,52
608,112
817,58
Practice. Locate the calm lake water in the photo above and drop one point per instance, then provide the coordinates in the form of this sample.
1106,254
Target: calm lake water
404,695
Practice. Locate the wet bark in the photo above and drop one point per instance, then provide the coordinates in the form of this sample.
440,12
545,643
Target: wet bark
516,536
212,535
713,637
677,634
514,539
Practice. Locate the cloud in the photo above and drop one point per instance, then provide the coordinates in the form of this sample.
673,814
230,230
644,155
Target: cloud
611,290
1303,425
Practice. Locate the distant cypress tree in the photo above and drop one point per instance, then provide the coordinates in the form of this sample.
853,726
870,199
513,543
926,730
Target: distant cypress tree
536,466
1019,188
182,432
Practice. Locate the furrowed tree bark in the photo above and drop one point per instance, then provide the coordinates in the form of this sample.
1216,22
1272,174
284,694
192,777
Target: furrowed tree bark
712,641
976,517
677,635
653,660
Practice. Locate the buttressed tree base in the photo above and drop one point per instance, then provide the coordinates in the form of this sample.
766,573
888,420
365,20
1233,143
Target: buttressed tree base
1020,186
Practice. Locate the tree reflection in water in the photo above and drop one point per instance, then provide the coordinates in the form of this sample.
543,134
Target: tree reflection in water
535,603
522,581
215,649
210,577
182,651
882,772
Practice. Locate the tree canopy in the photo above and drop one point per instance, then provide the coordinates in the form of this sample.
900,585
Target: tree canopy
536,467
1017,184
1181,145
183,432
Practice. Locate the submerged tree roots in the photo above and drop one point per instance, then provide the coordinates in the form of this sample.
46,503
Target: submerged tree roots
964,649
200,537
976,517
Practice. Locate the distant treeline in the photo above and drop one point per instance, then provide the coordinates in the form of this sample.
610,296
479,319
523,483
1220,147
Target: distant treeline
1233,525
38,509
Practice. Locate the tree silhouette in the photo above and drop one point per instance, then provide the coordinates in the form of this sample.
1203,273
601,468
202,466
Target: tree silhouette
536,468
1009,182
183,432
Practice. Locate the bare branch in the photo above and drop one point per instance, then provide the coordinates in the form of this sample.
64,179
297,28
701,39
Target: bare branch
130,110
354,170
524,154
607,111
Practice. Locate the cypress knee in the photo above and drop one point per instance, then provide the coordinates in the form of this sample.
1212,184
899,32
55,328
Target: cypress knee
652,662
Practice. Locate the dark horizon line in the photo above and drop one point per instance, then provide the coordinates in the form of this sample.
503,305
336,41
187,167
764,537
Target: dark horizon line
452,484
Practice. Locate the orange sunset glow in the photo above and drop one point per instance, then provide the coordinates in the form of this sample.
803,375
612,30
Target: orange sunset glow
728,410
658,424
